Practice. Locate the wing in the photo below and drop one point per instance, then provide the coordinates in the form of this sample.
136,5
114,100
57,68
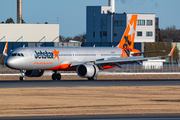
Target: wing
119,60
148,52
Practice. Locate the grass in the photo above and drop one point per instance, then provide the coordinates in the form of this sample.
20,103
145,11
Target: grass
89,100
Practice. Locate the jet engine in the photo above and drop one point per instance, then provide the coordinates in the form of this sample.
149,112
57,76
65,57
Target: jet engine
34,73
87,70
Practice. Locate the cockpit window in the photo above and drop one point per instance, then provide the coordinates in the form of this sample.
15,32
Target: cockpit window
17,54
14,54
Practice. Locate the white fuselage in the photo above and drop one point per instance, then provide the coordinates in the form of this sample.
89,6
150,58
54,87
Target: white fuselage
43,58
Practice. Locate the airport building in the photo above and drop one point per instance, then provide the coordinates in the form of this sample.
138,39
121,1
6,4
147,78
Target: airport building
19,32
29,32
103,24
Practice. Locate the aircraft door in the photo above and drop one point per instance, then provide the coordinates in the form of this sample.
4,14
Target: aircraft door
97,55
31,55
74,58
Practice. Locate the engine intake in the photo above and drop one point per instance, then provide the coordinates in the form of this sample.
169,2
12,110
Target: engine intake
34,73
87,70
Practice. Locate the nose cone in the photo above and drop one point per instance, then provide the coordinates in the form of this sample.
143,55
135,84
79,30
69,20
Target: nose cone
11,63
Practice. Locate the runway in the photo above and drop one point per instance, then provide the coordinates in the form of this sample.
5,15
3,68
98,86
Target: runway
85,83
102,117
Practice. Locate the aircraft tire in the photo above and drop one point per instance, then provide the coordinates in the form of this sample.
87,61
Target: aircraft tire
54,76
58,76
21,78
90,78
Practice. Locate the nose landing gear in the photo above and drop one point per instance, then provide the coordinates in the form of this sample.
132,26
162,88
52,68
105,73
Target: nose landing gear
21,78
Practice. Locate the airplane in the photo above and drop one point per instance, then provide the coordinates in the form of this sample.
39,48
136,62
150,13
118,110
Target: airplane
86,61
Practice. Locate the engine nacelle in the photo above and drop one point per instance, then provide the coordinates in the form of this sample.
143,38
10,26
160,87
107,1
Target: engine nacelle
34,73
87,70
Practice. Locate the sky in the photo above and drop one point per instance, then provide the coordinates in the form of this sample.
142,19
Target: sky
71,14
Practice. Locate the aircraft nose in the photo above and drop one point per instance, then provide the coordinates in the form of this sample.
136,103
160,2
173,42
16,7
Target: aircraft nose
10,63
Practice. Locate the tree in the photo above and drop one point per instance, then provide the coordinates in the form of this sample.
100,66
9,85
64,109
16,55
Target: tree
160,37
67,39
9,20
171,34
161,46
81,37
61,38
77,38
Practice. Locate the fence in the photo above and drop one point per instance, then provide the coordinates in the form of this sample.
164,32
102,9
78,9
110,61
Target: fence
126,70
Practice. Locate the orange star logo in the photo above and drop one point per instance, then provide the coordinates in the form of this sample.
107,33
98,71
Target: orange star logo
56,54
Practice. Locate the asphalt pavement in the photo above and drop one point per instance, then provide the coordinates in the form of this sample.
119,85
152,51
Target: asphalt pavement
102,117
84,83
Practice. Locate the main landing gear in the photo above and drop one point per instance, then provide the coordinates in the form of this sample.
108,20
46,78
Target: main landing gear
21,78
56,76
90,78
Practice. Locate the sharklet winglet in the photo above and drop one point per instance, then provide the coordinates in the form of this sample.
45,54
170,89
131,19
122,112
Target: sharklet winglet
172,51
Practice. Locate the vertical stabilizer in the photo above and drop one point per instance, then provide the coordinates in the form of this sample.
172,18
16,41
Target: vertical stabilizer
5,49
127,40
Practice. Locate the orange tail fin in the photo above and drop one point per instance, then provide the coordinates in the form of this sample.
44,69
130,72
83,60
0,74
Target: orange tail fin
5,49
127,40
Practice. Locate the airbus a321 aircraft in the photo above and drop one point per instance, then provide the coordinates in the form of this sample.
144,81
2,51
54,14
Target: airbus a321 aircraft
86,61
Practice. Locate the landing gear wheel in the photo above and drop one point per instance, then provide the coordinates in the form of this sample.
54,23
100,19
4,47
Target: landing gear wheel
54,76
58,76
21,78
22,75
90,78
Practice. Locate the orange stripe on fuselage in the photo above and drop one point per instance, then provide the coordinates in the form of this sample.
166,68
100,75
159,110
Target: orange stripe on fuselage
60,67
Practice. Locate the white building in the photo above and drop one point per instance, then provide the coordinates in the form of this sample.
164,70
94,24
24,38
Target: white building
153,64
29,32
104,25
145,29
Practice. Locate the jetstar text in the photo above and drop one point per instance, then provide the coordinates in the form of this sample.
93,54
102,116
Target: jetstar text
43,55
